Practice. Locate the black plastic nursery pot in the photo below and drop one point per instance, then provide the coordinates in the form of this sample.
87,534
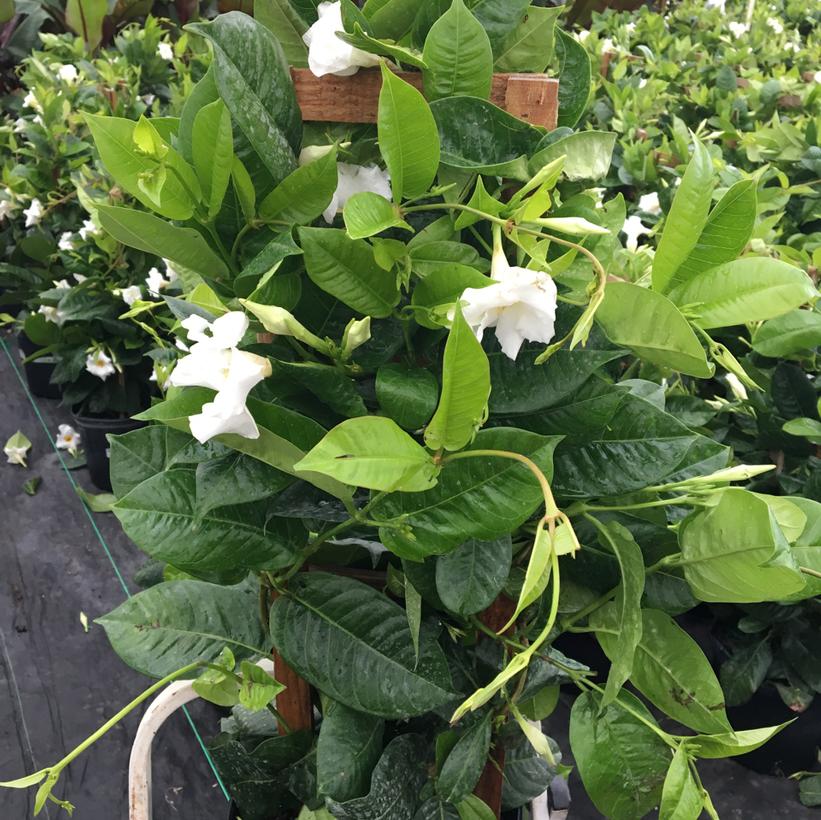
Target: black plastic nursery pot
94,431
38,371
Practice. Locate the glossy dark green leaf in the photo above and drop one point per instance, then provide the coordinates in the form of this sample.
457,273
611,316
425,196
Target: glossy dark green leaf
161,517
477,136
348,747
330,385
346,269
390,19
176,623
622,762
672,672
475,498
469,578
573,70
527,774
254,81
810,790
434,809
354,645
280,18
499,18
792,392
801,648
458,55
744,671
463,766
407,395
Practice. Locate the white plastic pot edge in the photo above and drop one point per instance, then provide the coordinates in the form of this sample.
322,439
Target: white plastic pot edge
171,698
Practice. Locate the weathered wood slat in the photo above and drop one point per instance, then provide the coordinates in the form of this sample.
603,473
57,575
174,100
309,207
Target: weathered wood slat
530,97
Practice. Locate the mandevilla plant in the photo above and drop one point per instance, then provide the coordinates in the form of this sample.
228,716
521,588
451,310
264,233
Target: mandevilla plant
400,449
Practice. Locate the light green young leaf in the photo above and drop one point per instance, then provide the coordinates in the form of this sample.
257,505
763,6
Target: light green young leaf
474,808
408,137
686,220
367,214
458,56
85,18
535,737
805,427
587,155
480,200
465,390
388,48
372,452
529,48
789,334
731,744
681,796
244,189
212,149
287,26
305,193
537,574
258,688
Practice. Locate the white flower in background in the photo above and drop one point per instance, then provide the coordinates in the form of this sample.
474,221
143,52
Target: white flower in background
716,4
16,449
7,208
38,120
775,25
215,362
99,364
165,51
148,99
170,273
607,45
736,387
131,294
582,35
34,213
630,27
354,179
30,101
817,76
737,29
633,228
79,278
88,229
61,284
19,125
51,314
327,54
155,282
642,82
649,203
68,72
521,305
66,242
791,45
67,438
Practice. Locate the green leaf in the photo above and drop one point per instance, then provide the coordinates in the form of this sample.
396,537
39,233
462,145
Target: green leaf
474,808
469,578
407,395
463,766
652,326
499,18
807,548
408,139
397,780
746,290
458,56
686,219
529,48
434,809
440,290
372,452
390,18
587,155
809,790
573,70
735,552
212,149
280,18
85,17
413,610
161,517
681,797
346,269
358,635
244,190
115,141
731,744
258,688
400,54
626,609
146,232
483,498
622,761
789,334
726,233
367,214
465,390
329,384
304,194
203,93
254,81
744,671
671,671
177,623
26,781
479,137
348,747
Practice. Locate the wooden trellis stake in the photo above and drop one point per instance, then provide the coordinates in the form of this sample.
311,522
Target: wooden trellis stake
533,98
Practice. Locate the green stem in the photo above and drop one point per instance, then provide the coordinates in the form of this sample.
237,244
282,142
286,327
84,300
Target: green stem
583,509
235,247
227,257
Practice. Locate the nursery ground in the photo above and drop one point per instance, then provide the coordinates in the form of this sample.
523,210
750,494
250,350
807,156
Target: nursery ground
58,682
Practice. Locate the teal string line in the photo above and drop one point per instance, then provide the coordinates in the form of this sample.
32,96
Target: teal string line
102,540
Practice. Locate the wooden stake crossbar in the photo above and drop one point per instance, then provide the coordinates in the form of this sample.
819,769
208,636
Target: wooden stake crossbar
530,97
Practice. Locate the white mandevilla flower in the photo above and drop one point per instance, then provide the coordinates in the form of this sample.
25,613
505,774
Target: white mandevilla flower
327,54
51,314
716,4
355,179
633,228
737,29
30,101
775,24
34,213
131,294
79,278
19,125
736,387
649,203
67,438
582,35
61,284
630,27
100,364
215,362
68,73
155,282
16,449
38,120
88,229
165,51
521,305
66,242
6,208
